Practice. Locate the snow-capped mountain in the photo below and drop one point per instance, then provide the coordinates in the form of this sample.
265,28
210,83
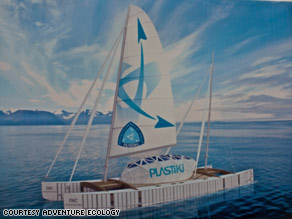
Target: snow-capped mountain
64,114
59,117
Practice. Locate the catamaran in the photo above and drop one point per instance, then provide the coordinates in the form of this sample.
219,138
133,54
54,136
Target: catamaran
143,128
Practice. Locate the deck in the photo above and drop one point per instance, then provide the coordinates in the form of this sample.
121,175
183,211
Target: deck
114,184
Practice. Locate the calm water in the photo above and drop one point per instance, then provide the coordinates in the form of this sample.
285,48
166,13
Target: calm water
27,151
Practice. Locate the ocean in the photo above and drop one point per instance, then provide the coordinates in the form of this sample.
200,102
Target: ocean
27,151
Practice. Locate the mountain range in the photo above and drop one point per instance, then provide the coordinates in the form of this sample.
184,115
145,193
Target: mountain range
41,117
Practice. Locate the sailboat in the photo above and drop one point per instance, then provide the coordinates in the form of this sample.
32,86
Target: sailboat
143,128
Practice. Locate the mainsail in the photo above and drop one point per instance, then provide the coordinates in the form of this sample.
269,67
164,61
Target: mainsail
143,114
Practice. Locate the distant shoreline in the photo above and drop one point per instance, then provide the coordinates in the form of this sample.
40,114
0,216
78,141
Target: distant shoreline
41,117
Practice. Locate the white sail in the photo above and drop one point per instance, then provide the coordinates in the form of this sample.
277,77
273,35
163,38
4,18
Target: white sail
143,117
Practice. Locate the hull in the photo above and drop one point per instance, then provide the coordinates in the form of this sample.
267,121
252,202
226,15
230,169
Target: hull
143,195
54,191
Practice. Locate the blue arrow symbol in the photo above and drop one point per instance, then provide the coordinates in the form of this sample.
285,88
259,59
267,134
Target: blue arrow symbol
141,33
162,123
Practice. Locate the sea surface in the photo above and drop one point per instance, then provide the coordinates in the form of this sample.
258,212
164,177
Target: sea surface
27,151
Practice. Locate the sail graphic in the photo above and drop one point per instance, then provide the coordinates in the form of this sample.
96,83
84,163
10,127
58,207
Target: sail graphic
143,117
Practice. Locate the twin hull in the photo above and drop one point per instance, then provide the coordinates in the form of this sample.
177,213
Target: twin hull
73,198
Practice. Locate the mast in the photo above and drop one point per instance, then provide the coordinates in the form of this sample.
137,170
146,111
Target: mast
115,99
209,115
202,127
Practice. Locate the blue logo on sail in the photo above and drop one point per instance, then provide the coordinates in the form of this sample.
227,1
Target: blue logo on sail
130,136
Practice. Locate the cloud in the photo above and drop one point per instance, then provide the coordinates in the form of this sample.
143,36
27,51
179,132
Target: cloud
264,98
51,44
235,48
269,66
180,52
257,86
221,111
277,92
266,104
264,60
261,84
264,72
38,24
177,55
60,98
84,49
107,106
4,66
273,102
75,93
41,65
26,80
36,101
36,1
156,9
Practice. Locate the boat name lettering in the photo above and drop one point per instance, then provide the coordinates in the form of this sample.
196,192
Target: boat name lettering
172,169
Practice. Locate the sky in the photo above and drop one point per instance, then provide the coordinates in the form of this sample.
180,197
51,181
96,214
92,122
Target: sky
51,52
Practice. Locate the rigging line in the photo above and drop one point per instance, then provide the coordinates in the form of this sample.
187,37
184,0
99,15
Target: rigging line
202,127
115,98
80,108
189,109
225,146
209,114
93,111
